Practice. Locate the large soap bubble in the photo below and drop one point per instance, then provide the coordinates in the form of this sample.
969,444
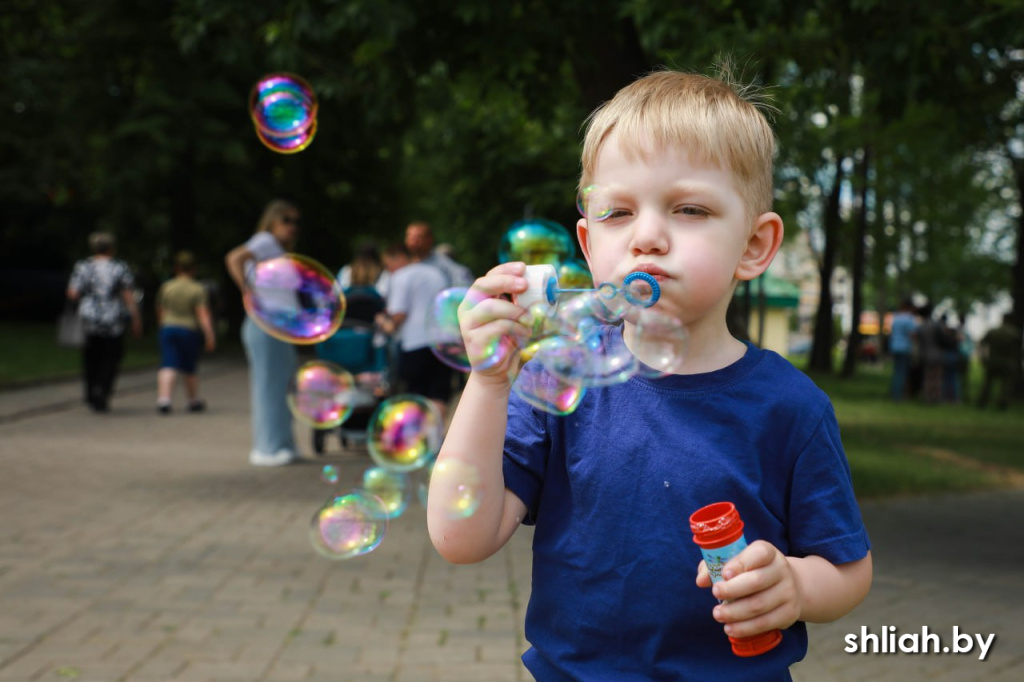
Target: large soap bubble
295,299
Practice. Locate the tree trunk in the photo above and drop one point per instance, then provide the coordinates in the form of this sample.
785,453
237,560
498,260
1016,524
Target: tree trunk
821,348
859,249
1017,274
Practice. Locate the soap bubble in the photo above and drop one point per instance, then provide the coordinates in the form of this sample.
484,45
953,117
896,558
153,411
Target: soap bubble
322,394
295,299
283,108
594,359
594,203
659,342
443,329
330,474
543,389
348,525
458,483
536,241
574,273
390,487
404,433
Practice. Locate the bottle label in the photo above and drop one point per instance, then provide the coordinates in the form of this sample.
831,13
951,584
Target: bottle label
716,558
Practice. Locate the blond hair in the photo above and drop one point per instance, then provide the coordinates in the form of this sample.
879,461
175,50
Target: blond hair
715,120
274,210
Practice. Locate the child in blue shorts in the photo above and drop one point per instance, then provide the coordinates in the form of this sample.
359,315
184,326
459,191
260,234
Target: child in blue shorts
684,163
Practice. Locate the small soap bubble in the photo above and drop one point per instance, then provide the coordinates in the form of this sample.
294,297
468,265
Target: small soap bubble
443,329
348,525
329,474
543,389
535,242
390,487
404,433
322,394
594,203
295,299
283,108
458,483
574,273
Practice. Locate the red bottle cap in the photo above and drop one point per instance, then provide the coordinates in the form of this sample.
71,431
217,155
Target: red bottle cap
756,645
716,525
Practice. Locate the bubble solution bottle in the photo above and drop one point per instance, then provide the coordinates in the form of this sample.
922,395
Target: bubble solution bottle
718,531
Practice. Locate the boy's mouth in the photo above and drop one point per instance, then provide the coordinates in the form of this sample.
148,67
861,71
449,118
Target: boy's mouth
652,270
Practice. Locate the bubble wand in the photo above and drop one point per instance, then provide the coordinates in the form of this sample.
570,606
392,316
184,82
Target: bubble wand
542,287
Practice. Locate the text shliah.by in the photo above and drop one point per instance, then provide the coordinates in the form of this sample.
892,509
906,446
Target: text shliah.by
890,641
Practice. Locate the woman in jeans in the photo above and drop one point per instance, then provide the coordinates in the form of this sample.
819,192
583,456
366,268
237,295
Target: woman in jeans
272,362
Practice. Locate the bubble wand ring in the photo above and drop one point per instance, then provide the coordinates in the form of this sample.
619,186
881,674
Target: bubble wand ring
549,284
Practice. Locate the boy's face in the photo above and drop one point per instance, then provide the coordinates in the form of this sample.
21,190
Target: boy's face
683,222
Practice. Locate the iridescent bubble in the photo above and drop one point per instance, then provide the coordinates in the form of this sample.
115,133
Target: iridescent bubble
295,299
404,433
596,358
536,241
348,525
390,487
283,108
329,474
544,390
458,484
659,342
322,394
443,329
574,273
594,203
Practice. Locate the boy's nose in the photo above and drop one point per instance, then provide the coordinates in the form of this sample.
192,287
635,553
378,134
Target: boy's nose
650,235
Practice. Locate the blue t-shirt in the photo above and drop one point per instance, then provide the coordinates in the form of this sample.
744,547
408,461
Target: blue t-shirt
611,487
901,334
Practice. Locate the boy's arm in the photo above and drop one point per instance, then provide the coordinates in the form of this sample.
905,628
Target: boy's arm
476,435
476,438
829,591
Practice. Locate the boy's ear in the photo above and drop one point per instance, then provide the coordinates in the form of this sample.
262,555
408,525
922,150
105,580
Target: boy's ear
583,236
763,244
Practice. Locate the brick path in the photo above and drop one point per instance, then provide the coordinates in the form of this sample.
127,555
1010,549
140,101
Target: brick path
140,548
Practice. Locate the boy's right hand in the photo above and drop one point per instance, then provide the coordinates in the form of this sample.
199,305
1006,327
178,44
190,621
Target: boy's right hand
491,325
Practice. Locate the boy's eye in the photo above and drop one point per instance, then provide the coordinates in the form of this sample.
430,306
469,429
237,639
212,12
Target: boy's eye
695,211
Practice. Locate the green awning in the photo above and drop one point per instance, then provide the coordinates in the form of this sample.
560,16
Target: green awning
778,292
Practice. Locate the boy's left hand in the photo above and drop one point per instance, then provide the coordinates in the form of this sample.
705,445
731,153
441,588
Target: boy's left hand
760,588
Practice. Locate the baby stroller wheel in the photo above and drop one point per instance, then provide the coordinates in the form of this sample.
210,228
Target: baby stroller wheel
319,440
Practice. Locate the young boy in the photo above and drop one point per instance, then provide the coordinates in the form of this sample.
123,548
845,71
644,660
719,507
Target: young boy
619,591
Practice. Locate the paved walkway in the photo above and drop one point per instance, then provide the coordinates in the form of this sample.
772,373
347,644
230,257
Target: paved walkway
141,548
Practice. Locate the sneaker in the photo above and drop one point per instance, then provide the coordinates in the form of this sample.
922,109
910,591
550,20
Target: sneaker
196,406
265,459
163,409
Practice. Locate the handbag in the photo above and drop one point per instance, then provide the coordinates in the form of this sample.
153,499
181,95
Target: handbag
70,330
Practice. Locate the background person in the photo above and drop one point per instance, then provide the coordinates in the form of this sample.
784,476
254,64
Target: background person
103,286
413,288
272,362
183,314
419,241
901,346
1001,356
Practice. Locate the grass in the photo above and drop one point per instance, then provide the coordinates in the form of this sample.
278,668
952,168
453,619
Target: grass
29,353
913,448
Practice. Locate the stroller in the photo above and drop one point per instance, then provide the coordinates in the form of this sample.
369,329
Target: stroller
353,348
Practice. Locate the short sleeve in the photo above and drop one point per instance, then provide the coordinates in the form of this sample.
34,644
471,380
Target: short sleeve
824,519
527,447
78,277
263,246
398,293
127,278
